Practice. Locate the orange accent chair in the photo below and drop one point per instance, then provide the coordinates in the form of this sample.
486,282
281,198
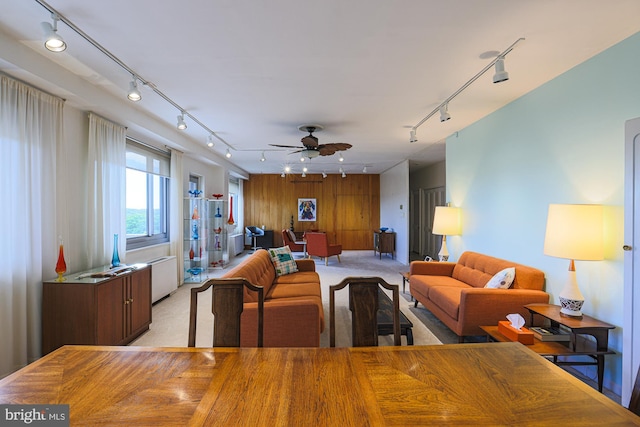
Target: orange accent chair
318,245
289,240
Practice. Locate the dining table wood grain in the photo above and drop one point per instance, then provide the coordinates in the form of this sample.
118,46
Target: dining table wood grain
480,384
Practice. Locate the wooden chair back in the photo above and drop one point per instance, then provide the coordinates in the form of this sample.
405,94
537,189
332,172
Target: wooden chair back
227,303
634,402
363,304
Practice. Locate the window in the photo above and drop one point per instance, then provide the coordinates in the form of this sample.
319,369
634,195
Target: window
147,210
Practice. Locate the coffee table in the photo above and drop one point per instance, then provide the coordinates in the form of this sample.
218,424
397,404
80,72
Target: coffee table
385,318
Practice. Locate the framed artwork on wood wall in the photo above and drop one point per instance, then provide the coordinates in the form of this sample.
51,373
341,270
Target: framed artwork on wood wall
306,209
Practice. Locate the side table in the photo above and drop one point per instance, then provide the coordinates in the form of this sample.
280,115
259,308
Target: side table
585,325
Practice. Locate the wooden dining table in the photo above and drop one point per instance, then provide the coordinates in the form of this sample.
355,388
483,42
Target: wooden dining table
481,384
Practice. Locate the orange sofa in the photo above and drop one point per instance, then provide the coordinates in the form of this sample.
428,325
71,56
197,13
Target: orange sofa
455,292
293,314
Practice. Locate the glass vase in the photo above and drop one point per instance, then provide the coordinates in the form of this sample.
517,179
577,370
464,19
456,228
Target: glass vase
115,259
61,265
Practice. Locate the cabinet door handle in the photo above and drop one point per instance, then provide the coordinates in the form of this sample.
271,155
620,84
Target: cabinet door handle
626,248
131,300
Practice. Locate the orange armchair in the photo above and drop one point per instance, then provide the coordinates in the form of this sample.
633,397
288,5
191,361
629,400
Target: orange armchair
288,240
318,245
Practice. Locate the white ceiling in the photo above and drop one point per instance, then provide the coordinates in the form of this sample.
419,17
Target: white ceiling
367,70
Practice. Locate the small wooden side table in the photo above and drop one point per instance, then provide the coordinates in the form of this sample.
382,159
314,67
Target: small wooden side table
585,325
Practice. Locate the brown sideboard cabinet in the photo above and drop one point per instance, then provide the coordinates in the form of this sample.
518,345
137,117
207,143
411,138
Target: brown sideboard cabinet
91,310
384,243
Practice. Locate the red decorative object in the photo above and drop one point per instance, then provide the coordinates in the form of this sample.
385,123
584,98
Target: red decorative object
231,220
61,265
217,196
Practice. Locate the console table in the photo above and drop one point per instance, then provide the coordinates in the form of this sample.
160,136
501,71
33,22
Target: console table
99,307
584,325
384,242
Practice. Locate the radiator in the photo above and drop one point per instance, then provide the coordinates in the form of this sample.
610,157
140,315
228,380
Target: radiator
238,243
164,277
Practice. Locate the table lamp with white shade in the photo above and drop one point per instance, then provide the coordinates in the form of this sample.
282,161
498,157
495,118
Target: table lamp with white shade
446,222
574,232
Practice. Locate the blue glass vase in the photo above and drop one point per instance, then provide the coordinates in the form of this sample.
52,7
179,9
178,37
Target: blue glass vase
115,259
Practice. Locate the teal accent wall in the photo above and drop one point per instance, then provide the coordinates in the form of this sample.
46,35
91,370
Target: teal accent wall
561,143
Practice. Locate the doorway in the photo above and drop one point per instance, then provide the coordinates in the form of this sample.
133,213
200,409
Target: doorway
630,341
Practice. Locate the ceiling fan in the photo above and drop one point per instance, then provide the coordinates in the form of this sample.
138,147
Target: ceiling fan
311,147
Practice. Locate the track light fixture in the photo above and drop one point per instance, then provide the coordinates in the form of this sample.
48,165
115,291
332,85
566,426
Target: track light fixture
210,142
52,40
282,174
304,174
228,154
364,169
341,159
134,94
412,136
344,175
55,43
501,75
324,175
444,113
262,159
181,123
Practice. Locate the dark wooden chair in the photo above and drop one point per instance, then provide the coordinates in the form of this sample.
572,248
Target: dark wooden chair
634,402
227,302
363,304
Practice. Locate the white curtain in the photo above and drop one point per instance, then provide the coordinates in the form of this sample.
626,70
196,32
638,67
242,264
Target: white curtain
175,208
31,125
107,191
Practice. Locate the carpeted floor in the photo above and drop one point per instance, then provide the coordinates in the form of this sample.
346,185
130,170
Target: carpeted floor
171,315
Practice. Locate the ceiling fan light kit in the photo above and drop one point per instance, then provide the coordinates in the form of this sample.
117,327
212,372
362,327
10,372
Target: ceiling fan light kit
311,148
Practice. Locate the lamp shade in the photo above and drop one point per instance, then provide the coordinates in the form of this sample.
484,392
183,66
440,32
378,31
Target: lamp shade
446,221
575,232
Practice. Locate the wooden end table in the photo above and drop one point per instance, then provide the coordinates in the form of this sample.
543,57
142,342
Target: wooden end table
585,325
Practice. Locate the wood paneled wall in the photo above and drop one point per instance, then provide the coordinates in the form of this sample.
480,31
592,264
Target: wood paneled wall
348,209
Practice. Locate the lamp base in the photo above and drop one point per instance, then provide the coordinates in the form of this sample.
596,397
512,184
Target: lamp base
443,255
571,307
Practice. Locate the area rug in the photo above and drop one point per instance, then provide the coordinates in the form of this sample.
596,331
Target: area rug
171,315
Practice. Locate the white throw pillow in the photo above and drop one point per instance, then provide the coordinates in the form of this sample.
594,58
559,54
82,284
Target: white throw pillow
502,279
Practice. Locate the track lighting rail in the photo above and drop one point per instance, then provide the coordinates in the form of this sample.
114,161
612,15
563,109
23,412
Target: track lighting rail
128,69
463,87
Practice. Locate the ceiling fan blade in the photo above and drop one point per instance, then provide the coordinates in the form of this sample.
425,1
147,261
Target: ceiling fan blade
332,148
309,141
285,146
326,150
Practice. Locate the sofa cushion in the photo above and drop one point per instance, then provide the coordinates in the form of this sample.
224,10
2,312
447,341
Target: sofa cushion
257,269
423,284
299,277
283,261
502,279
447,298
477,269
291,290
